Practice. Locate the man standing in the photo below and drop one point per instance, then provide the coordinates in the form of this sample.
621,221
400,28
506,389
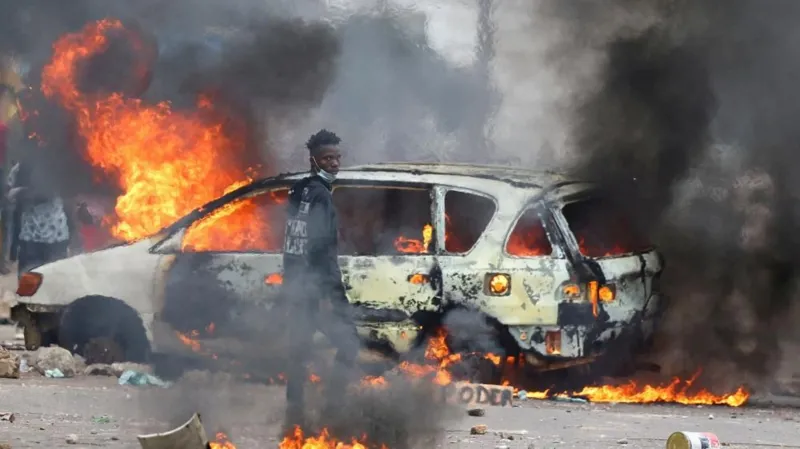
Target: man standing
312,278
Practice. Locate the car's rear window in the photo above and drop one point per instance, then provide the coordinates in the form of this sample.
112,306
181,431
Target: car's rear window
529,239
466,217
602,230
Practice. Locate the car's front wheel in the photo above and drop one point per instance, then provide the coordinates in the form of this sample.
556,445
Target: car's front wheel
104,330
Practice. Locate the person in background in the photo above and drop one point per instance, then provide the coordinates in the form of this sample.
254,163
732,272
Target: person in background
313,287
44,224
7,111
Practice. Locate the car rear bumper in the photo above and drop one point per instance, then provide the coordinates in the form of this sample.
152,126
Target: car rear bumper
581,337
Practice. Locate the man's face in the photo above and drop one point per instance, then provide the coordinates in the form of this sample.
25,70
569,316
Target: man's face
328,158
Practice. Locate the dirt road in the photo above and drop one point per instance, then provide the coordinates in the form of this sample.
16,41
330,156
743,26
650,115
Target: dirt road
104,414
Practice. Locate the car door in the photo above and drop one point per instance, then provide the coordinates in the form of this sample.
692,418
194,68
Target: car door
387,248
226,270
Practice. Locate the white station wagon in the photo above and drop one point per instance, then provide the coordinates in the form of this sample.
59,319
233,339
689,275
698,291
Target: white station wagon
545,259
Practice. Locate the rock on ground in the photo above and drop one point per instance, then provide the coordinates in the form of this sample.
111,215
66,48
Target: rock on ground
55,357
9,364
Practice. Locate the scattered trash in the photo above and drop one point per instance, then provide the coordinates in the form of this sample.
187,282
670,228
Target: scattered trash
480,429
54,373
72,439
131,377
101,419
501,446
191,435
5,445
569,399
12,345
693,440
622,441
9,364
23,366
476,412
522,395
510,433
7,416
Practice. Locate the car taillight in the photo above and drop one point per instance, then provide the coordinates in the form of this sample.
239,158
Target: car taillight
498,284
29,283
593,292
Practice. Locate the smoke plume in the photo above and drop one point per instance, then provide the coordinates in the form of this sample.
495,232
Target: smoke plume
690,125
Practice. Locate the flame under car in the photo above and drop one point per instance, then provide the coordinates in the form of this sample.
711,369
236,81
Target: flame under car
546,260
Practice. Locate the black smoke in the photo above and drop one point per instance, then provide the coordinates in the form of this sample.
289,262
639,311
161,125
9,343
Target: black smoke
691,126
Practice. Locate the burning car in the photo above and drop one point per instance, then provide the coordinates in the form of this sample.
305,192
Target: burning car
545,259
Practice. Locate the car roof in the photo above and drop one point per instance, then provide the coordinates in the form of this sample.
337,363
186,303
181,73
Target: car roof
511,175
517,177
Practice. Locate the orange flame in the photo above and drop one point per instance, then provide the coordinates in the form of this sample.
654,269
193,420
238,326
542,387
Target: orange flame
415,246
297,440
221,442
675,391
192,341
274,279
166,162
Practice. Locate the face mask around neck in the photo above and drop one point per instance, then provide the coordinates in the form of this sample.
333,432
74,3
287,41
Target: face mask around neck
327,177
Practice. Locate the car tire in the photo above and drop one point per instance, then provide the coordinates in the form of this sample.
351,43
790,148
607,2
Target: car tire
473,342
105,329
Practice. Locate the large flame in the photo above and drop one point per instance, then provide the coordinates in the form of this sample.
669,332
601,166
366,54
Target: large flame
166,162
298,440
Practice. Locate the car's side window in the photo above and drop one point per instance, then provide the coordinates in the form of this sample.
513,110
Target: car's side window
384,220
529,238
466,217
252,224
602,230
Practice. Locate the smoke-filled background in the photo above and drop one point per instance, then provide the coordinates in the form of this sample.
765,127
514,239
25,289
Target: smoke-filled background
682,109
688,118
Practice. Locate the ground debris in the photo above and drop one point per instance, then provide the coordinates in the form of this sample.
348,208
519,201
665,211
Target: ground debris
99,369
5,445
9,364
480,429
476,412
55,358
121,367
72,439
7,416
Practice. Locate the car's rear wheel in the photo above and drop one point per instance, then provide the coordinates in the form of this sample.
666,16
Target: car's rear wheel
482,342
104,330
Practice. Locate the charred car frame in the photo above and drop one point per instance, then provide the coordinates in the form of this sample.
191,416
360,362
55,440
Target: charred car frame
542,257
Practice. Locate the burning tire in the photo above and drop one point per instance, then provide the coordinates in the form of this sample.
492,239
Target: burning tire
104,330
481,341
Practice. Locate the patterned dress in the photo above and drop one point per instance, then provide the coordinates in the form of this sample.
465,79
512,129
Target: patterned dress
41,222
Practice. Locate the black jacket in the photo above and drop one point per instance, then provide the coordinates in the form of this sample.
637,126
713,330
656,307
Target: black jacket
311,245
